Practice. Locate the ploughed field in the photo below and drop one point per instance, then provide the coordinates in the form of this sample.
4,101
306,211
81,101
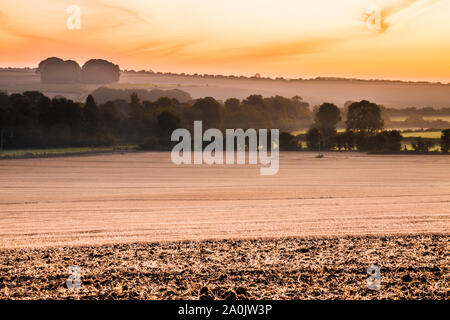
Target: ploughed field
139,227
143,197
411,267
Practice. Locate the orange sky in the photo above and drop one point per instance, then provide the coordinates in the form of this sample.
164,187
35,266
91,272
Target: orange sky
291,38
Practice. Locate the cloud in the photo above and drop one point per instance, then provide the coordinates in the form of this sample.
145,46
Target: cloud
7,27
410,10
402,11
265,52
124,11
160,48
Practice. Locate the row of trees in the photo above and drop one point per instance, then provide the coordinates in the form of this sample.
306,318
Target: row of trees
364,131
57,71
421,145
425,111
445,141
32,120
252,112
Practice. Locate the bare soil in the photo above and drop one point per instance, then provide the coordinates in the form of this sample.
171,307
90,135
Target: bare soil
412,267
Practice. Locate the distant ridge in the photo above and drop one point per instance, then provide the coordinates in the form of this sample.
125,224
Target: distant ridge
241,77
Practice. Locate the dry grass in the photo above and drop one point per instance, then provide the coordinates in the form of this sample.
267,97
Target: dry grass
412,267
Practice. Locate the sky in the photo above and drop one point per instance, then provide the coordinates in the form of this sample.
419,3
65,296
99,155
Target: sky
407,40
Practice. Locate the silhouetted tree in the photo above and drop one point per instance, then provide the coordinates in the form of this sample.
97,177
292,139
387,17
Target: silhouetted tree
111,117
364,116
100,71
135,117
422,145
232,105
55,71
44,62
386,141
445,141
210,111
167,123
362,140
91,117
288,141
327,117
255,100
313,138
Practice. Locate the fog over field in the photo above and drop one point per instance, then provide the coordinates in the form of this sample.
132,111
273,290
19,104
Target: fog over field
387,93
133,197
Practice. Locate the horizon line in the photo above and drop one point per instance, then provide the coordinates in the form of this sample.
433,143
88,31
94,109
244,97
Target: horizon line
260,77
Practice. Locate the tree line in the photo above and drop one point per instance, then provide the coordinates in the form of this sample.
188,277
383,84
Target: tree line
32,120
364,132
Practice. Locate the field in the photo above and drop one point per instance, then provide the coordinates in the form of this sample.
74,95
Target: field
423,134
309,232
411,267
144,197
426,118
61,151
409,134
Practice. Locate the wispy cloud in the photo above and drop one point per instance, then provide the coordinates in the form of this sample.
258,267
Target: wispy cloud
160,48
403,11
322,35
120,10
274,50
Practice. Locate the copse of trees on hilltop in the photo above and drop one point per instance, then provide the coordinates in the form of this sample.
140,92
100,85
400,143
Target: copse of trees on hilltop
57,71
100,71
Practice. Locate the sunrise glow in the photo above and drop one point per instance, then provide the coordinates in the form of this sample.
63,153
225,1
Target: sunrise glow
291,38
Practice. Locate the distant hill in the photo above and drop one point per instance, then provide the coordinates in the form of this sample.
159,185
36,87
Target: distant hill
391,94
104,94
